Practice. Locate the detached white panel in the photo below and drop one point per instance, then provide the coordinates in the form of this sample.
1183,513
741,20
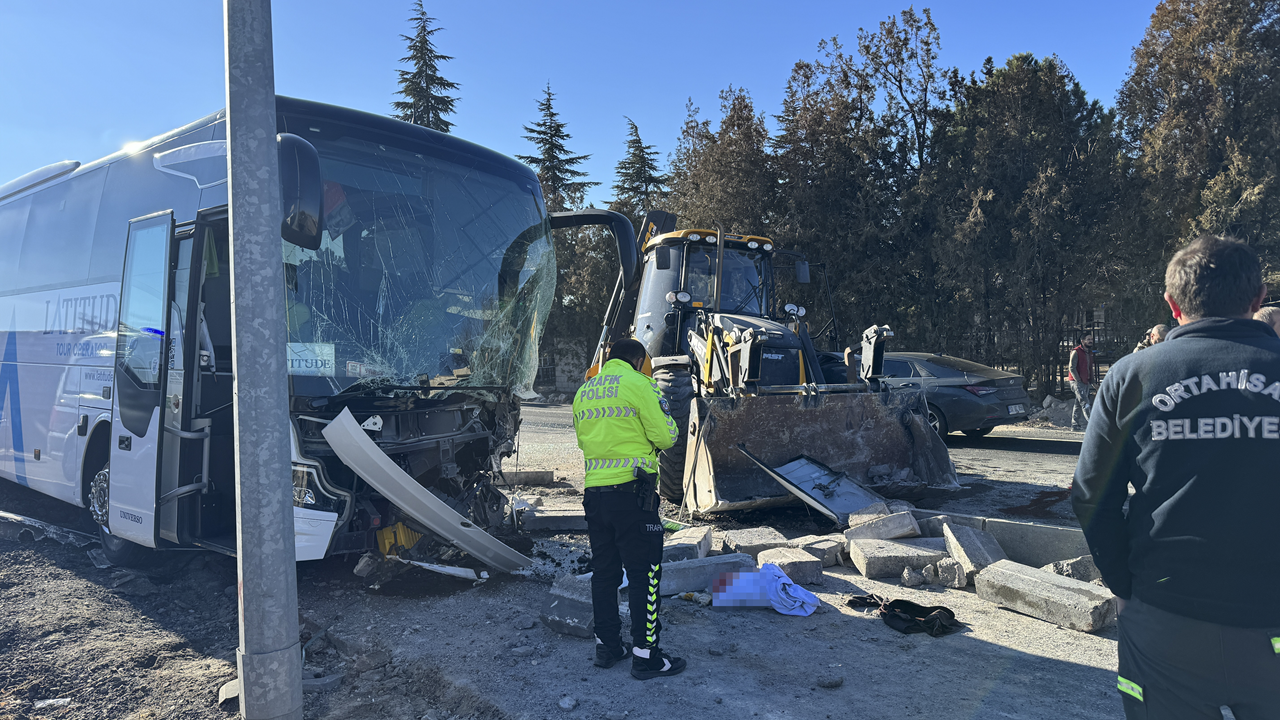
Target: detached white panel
362,455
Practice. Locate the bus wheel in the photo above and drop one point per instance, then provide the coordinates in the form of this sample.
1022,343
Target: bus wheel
118,550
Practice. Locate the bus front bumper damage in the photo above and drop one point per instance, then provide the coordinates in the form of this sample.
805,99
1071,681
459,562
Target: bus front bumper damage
359,452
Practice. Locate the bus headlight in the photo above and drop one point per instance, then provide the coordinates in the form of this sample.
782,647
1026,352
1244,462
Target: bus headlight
695,237
711,239
768,247
683,296
753,245
304,479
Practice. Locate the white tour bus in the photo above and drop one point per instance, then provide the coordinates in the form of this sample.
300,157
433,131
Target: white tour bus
419,272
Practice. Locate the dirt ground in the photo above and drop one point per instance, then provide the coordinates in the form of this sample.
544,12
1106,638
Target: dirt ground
157,643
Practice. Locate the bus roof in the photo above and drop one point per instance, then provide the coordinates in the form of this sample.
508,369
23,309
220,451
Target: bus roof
684,236
285,107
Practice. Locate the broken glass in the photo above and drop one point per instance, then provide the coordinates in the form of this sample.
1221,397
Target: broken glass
430,270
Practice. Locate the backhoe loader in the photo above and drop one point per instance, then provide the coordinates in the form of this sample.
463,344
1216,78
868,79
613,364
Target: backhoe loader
746,385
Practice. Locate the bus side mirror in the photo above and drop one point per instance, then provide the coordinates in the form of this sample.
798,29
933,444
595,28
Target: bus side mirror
802,272
301,191
662,256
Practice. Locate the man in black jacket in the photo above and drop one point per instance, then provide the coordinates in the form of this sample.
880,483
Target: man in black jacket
1193,425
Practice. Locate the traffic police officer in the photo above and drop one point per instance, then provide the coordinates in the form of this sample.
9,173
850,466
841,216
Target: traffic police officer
622,422
1193,425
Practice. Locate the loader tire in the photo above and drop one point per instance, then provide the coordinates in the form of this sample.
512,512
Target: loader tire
676,384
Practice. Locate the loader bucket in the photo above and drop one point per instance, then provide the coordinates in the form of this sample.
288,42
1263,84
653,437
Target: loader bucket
880,440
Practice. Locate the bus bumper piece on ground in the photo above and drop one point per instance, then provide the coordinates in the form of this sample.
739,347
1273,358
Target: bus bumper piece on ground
452,571
363,456
13,527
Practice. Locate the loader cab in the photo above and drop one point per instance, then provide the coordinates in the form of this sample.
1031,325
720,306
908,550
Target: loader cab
679,279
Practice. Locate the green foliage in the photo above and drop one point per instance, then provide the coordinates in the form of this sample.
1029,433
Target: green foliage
562,186
640,186
422,86
585,263
1201,112
724,177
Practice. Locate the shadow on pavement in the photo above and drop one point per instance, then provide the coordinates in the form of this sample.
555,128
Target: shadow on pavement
1014,444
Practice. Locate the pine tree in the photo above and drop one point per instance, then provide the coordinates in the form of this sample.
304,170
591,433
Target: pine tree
639,186
424,89
555,165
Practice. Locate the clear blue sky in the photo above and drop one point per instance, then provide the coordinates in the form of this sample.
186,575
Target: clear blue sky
80,78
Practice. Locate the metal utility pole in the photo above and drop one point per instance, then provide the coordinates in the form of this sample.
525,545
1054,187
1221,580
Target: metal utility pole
269,659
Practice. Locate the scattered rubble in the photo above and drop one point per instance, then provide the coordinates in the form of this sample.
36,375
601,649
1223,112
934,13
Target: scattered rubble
567,703
698,575
951,573
689,544
912,577
568,608
936,544
869,512
973,549
885,558
932,526
800,566
888,527
559,518
930,574
827,548
1050,597
1081,568
753,541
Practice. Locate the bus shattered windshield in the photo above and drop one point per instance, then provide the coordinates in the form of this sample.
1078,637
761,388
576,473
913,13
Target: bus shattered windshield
427,271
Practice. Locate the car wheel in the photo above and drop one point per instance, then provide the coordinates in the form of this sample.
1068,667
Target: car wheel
979,432
938,421
118,550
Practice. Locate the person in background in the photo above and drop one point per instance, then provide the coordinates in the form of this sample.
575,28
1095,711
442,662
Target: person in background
1191,426
1153,336
1270,316
1081,375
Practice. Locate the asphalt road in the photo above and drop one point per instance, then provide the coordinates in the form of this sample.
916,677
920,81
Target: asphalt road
1018,471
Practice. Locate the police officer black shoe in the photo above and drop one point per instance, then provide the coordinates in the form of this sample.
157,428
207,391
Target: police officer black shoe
654,663
607,657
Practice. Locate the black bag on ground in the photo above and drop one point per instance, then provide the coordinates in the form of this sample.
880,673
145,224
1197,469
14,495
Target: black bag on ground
907,617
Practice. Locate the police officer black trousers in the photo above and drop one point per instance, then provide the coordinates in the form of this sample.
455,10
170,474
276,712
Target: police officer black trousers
623,535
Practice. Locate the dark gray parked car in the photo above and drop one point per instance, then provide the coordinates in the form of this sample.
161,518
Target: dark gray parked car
963,396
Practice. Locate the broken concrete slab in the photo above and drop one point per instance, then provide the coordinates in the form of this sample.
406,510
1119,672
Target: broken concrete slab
1081,568
717,543
827,548
973,521
753,541
951,573
568,608
912,577
529,477
897,506
889,527
1035,544
930,573
553,519
973,549
932,526
870,512
885,558
1041,594
936,544
802,567
697,575
688,544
